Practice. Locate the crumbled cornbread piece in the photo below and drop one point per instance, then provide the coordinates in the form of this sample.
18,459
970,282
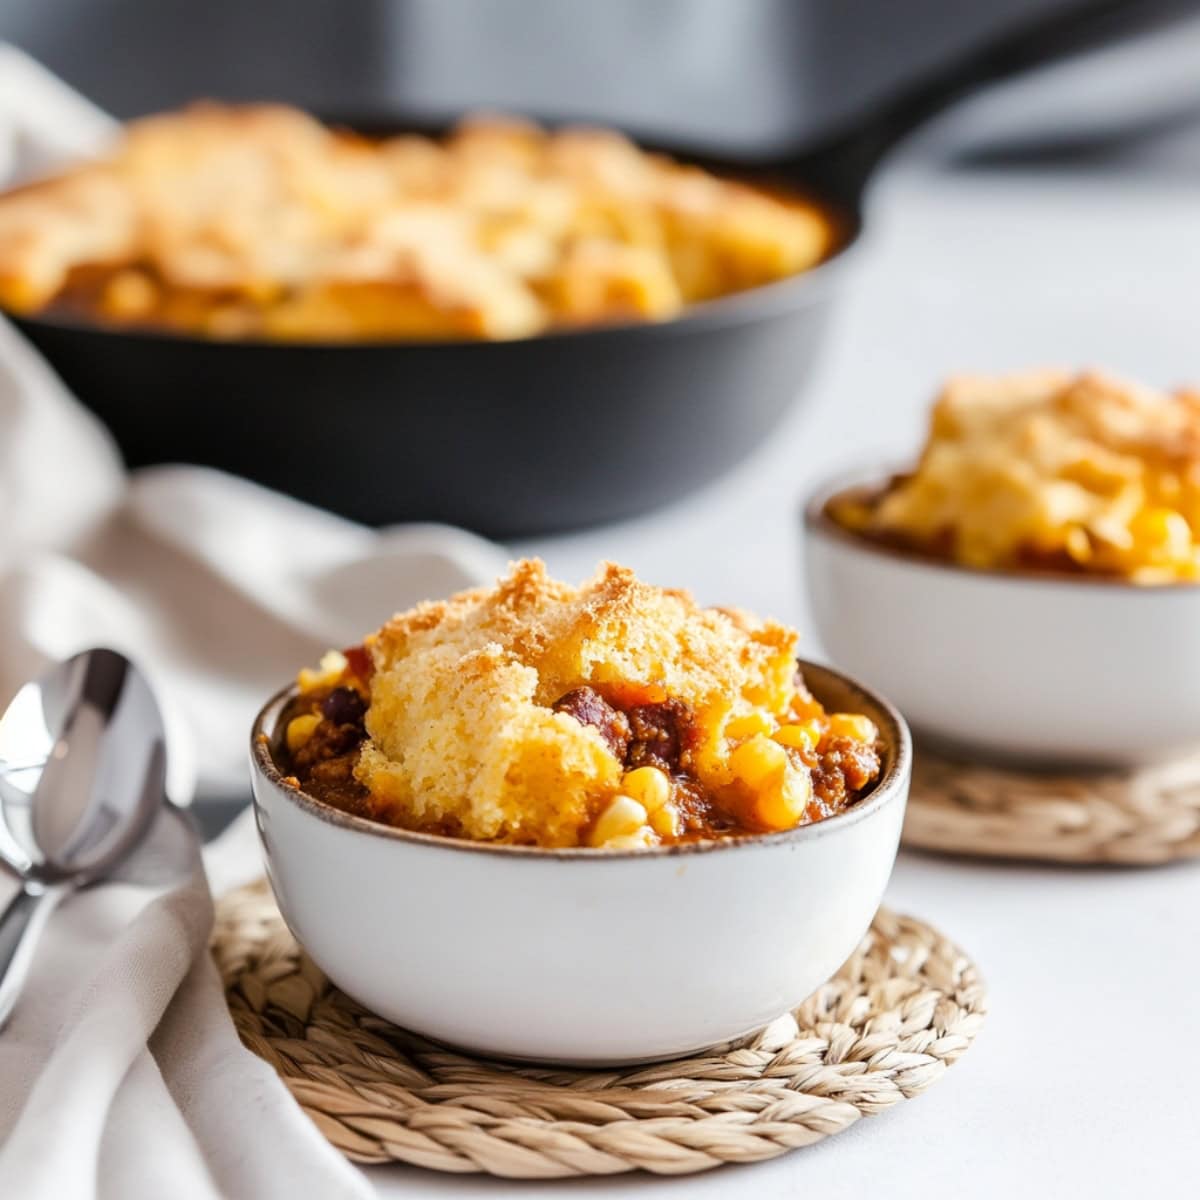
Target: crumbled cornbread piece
1047,469
461,718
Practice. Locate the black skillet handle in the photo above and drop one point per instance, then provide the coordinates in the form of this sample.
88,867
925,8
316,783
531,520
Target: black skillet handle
841,165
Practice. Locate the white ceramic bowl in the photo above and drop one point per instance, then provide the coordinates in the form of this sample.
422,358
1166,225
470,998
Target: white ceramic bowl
1026,667
582,956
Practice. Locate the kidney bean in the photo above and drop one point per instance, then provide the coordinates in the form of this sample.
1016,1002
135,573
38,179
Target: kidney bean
588,707
344,706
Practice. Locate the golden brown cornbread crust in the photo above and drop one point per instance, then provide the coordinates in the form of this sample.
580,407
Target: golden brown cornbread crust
461,732
1078,472
256,221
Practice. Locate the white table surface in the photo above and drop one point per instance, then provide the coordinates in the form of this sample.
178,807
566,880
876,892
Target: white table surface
1083,1080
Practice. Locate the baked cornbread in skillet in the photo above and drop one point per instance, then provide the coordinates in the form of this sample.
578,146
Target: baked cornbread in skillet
258,222
616,714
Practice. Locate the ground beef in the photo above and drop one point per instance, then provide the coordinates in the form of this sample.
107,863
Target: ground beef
334,772
699,813
588,707
845,767
324,764
328,740
660,736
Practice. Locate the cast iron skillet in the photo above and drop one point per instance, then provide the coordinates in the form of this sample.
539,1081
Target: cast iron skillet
532,436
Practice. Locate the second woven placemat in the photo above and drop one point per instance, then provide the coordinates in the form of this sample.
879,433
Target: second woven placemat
905,1006
1144,816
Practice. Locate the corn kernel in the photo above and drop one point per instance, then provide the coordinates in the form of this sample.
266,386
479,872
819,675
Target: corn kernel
1162,527
623,816
333,663
803,736
638,840
129,294
758,761
749,725
666,821
854,726
300,729
782,805
648,786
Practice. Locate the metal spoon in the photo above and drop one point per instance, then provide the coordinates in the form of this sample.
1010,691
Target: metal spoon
89,751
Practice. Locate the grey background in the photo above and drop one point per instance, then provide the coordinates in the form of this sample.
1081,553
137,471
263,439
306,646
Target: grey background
728,73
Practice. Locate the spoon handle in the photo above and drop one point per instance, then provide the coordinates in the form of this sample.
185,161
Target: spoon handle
21,924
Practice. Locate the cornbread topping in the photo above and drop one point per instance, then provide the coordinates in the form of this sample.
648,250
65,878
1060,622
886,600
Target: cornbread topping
258,221
1046,470
615,715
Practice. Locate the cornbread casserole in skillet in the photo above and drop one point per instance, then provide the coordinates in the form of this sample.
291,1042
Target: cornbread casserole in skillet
259,222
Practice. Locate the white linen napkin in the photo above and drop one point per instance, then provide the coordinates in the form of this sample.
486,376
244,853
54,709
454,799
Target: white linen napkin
121,1077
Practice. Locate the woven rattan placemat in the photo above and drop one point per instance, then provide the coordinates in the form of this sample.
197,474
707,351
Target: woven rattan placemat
905,1006
1143,816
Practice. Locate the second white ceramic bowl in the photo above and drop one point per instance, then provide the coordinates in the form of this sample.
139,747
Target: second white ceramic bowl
1039,669
582,956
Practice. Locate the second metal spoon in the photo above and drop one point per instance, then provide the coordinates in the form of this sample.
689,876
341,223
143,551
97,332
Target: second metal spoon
88,751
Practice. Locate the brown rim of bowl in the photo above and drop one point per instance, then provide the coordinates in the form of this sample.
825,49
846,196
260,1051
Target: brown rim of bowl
892,785
817,520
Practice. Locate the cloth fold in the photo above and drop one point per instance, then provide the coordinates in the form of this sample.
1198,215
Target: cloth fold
121,1076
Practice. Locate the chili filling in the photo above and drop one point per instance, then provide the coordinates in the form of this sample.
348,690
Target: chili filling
322,729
